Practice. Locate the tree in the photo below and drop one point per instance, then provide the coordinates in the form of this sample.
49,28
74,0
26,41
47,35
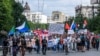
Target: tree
79,20
17,13
34,26
6,19
94,24
10,14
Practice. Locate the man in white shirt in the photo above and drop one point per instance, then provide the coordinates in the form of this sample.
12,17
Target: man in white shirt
69,42
55,42
10,45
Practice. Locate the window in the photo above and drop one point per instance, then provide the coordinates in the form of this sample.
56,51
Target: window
56,17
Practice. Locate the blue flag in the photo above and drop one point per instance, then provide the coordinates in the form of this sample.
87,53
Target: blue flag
23,28
12,31
73,26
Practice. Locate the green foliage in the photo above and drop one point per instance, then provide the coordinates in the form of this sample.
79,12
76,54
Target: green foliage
94,24
37,25
17,13
10,14
80,20
6,19
70,20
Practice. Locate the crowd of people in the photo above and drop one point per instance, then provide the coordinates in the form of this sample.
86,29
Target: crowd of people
61,43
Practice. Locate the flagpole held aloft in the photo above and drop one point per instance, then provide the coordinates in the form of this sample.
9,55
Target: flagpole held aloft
73,25
12,31
23,28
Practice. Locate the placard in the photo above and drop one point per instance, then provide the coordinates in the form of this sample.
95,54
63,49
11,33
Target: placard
56,28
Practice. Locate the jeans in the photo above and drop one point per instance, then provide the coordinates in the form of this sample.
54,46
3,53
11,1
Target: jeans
5,50
66,49
14,51
54,47
97,45
44,48
38,49
60,47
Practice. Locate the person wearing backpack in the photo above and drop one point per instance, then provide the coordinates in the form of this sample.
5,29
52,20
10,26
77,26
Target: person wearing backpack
29,46
82,42
22,46
97,44
66,45
44,46
78,40
37,43
14,46
5,46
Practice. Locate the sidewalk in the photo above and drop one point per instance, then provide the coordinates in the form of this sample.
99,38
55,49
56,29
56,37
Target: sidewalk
0,53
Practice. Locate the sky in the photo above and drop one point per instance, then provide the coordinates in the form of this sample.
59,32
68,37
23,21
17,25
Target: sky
65,6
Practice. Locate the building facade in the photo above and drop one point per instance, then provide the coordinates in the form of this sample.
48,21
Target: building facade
57,17
35,17
86,11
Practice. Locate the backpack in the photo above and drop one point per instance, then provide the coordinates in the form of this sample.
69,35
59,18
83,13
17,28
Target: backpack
23,42
44,42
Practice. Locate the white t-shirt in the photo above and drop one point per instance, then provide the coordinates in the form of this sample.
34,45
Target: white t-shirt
69,39
55,41
10,43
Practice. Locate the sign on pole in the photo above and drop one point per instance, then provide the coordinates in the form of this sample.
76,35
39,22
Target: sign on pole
56,28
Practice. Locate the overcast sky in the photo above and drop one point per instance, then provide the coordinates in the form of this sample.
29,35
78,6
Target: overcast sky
66,6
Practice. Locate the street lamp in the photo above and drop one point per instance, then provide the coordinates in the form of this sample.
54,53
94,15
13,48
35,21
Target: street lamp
93,2
93,10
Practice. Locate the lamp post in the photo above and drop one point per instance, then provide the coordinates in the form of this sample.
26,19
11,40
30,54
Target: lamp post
81,16
93,2
93,11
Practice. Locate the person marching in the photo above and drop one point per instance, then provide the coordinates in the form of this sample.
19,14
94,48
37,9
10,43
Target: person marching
22,46
44,46
29,46
97,43
37,42
10,45
5,47
65,46
14,47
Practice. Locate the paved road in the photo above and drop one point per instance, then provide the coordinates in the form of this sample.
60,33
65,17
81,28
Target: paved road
92,52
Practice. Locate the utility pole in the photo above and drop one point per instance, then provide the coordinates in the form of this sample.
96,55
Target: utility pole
93,11
38,11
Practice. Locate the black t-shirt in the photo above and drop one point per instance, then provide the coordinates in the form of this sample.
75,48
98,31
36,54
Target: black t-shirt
5,43
14,42
37,42
23,43
44,42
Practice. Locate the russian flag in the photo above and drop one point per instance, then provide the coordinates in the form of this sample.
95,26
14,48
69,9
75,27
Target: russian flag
73,26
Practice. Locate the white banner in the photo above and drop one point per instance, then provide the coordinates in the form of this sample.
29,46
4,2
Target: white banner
56,28
70,31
